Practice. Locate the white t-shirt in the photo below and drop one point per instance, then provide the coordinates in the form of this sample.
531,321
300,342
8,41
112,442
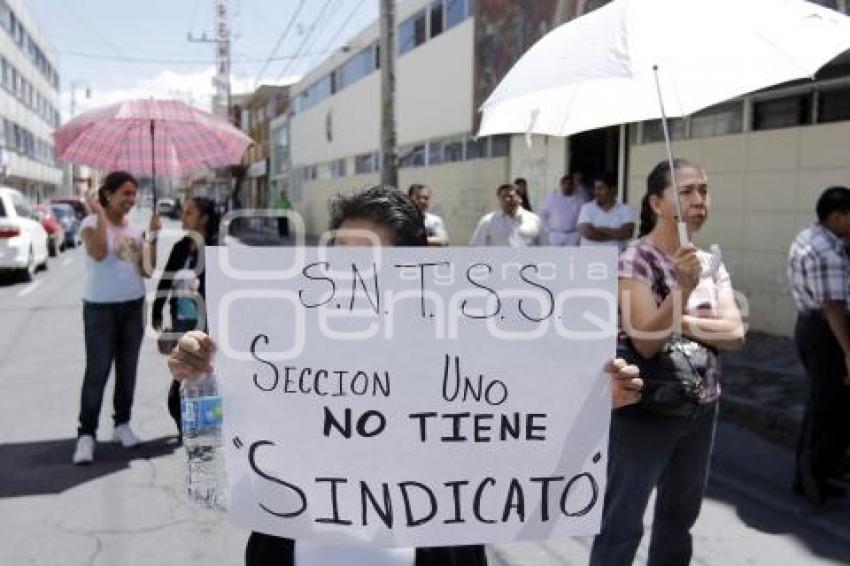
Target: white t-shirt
615,217
519,231
434,226
116,278
315,554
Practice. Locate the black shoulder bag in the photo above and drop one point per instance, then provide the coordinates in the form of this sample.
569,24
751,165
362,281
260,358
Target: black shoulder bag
674,380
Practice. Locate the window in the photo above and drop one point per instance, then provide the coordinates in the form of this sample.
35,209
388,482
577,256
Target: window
718,120
311,173
654,132
453,151
500,146
436,18
412,156
435,152
280,150
357,67
456,12
412,32
782,112
476,148
834,105
366,163
338,168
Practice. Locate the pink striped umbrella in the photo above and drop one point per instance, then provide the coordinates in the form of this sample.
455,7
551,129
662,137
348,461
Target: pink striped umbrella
150,137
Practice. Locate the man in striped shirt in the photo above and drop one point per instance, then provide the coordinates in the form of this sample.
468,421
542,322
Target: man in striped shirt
820,284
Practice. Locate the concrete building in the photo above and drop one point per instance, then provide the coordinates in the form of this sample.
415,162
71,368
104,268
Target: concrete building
257,111
29,102
279,156
335,126
768,154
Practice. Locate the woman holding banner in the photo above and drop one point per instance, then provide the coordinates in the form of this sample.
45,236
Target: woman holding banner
388,217
672,297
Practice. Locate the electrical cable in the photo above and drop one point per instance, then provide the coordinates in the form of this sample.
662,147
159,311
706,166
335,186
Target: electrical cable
306,39
277,44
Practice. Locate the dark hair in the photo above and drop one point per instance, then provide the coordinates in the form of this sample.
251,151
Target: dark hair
414,188
606,178
658,180
833,199
520,181
207,207
505,187
385,206
112,183
566,179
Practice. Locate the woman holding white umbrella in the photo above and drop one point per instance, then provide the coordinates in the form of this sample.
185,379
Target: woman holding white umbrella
668,293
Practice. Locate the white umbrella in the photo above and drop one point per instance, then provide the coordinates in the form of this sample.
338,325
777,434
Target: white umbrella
635,60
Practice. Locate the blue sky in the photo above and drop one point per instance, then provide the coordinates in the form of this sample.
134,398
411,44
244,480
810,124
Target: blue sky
139,48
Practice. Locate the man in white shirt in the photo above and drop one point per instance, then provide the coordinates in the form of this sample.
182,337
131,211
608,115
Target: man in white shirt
511,226
604,221
434,227
560,214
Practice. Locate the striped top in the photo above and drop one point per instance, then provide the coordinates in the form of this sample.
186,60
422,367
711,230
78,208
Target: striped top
637,262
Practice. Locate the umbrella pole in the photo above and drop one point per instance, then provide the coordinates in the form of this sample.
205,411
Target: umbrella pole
153,170
680,224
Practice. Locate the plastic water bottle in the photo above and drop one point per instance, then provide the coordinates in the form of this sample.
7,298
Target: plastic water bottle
201,416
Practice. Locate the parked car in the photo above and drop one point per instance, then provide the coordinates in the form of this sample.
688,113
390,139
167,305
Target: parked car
55,232
66,216
168,207
79,205
23,241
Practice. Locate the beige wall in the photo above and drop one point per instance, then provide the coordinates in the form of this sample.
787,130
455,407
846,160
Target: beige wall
433,99
763,187
542,164
463,192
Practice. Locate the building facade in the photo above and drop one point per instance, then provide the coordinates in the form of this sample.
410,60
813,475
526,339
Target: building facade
335,125
257,111
29,104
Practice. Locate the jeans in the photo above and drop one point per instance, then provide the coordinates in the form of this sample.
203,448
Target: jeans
825,430
113,333
648,451
173,399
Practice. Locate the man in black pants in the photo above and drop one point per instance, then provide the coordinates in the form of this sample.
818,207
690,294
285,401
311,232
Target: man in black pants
820,284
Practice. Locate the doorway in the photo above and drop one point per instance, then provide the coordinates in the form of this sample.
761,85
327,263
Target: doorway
594,152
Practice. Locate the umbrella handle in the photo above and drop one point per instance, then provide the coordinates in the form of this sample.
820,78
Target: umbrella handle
680,224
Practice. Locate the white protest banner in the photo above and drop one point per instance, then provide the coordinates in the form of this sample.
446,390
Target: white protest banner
414,396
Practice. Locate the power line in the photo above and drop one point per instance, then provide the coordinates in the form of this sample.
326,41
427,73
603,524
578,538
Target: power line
306,39
182,61
277,44
345,23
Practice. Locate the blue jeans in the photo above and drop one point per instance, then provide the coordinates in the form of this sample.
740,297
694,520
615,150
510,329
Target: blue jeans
648,451
113,333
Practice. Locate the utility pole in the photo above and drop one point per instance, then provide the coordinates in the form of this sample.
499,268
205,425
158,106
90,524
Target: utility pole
389,163
221,103
221,81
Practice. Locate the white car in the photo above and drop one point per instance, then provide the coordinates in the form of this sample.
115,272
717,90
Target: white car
166,207
23,240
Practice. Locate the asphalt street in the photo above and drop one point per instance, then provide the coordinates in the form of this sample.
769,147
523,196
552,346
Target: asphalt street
128,508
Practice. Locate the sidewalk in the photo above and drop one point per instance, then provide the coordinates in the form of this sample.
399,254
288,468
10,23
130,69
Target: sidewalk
764,386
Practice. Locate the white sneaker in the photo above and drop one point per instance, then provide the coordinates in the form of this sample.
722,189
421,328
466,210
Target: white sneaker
125,435
84,454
